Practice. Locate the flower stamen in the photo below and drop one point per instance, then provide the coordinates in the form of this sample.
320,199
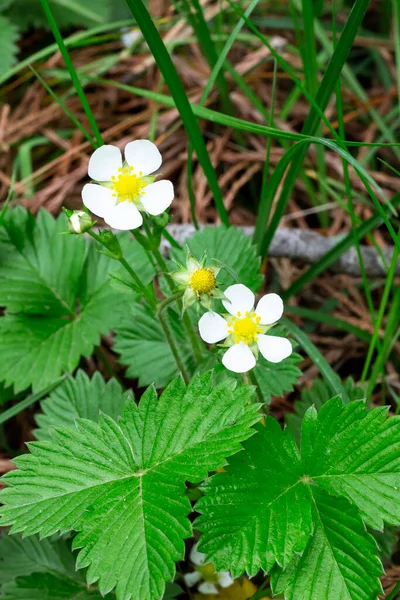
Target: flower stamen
202,281
245,329
127,186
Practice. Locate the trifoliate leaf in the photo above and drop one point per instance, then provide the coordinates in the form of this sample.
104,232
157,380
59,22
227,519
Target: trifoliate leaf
80,397
229,247
58,298
355,453
8,44
122,485
265,505
317,395
24,556
258,511
340,561
143,347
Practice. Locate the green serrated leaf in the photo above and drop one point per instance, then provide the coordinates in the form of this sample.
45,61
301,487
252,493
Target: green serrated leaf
228,246
340,561
8,44
24,556
317,395
257,510
142,346
355,453
58,298
122,485
80,397
275,379
44,586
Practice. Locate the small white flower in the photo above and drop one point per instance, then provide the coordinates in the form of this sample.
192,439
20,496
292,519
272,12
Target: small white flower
206,574
245,328
125,189
198,281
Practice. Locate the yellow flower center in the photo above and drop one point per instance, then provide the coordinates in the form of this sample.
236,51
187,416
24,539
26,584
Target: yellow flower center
127,186
245,328
202,281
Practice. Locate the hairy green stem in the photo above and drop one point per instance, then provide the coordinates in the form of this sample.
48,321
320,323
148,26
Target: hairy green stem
253,379
185,317
163,318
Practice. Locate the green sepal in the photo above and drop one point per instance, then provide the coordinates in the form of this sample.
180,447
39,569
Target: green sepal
111,243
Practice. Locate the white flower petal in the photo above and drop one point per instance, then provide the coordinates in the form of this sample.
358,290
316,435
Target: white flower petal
213,328
98,199
241,299
192,264
225,579
124,216
207,588
274,348
196,557
192,578
104,162
181,277
270,309
239,358
143,156
157,197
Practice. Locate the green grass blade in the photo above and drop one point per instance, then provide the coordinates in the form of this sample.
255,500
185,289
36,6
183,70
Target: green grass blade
178,93
348,186
72,71
201,29
58,101
70,41
396,26
331,378
382,307
249,126
392,332
312,122
216,70
319,316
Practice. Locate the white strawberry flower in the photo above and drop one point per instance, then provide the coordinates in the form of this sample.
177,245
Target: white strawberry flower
244,329
121,191
205,575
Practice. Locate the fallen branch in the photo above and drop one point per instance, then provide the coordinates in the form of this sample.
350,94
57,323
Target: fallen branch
309,247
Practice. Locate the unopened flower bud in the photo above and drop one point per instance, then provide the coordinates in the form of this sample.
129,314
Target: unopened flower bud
79,222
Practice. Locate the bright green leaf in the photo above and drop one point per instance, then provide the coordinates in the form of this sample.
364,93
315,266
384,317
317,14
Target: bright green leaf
340,561
317,395
122,484
258,511
58,298
353,452
266,504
